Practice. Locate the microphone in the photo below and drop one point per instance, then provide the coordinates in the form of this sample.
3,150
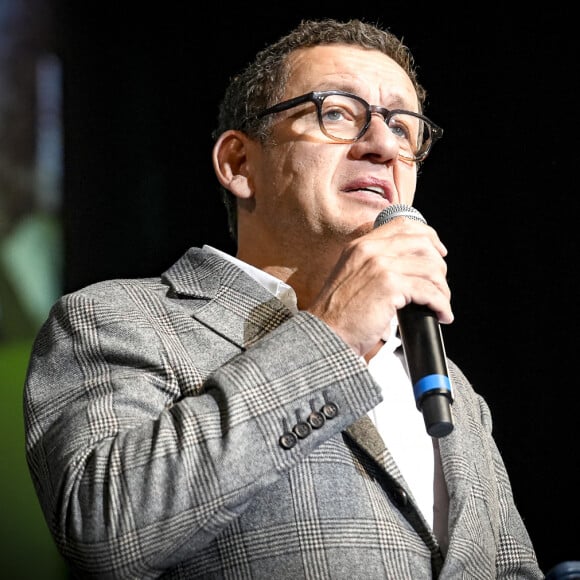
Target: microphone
424,351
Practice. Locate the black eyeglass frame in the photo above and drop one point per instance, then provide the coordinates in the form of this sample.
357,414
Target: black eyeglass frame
317,97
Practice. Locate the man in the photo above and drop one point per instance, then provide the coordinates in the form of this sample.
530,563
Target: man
252,417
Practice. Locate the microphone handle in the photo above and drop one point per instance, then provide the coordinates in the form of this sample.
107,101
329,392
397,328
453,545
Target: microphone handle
423,345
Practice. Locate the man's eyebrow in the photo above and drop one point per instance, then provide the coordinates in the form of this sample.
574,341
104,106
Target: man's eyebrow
398,103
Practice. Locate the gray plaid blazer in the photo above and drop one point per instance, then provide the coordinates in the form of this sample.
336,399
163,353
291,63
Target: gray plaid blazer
189,426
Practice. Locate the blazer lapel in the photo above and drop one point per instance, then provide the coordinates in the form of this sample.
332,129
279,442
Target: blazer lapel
229,301
460,451
364,433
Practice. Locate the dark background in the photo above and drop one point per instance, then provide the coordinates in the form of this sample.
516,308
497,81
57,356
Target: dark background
141,88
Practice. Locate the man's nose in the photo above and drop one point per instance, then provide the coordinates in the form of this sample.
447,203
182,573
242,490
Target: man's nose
378,139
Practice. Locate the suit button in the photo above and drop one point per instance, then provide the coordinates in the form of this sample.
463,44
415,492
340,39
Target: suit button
288,440
400,497
302,430
316,419
330,410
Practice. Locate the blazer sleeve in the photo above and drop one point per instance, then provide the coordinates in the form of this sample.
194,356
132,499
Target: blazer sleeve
147,435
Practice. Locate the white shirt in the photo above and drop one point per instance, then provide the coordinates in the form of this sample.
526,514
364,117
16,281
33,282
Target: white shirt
396,418
401,424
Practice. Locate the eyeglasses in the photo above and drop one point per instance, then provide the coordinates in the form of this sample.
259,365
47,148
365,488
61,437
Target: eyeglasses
345,118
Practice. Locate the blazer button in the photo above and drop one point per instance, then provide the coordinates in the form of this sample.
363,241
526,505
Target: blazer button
330,410
316,419
288,440
302,430
400,497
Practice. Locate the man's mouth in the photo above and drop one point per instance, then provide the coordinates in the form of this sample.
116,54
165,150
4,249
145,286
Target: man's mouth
373,189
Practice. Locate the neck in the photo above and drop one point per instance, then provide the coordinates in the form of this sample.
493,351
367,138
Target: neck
305,271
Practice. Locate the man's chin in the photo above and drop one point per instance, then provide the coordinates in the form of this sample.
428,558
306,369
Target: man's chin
361,230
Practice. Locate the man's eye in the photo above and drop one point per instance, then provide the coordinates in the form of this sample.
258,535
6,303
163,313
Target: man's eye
400,130
334,115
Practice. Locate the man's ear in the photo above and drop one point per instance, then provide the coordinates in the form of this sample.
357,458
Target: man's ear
230,163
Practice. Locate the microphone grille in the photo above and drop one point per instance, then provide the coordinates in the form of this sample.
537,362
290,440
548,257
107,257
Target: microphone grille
398,210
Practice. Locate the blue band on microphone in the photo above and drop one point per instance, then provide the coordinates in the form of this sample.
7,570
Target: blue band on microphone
431,383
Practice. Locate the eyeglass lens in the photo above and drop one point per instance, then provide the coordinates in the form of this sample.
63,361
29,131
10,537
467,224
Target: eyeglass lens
347,118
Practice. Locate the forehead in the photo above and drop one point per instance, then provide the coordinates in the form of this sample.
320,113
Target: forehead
369,73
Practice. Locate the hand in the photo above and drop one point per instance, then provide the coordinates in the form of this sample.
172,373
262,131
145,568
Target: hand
397,263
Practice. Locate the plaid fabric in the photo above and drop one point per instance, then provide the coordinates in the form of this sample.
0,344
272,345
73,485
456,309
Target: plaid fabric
160,434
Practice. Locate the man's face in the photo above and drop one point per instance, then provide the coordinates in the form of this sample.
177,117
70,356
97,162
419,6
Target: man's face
310,190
